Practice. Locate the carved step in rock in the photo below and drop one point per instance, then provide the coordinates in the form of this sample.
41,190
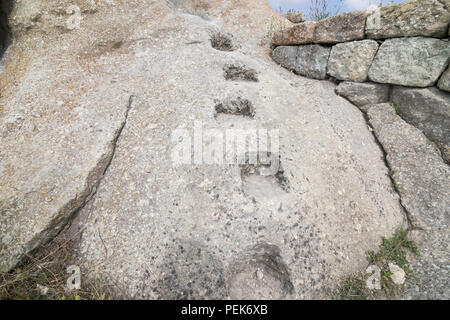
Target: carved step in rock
222,41
263,176
240,73
236,106
259,273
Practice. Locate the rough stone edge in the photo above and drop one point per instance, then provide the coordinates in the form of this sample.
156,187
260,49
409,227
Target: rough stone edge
69,211
412,227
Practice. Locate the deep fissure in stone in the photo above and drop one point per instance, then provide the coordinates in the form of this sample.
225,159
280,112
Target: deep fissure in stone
5,37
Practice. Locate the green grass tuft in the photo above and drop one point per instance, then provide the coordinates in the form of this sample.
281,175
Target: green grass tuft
393,250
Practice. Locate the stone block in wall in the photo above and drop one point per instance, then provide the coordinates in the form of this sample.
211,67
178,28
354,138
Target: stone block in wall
414,62
363,94
428,18
301,33
428,110
352,60
312,61
344,27
286,56
444,82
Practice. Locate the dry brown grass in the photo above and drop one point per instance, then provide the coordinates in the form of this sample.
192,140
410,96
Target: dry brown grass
47,268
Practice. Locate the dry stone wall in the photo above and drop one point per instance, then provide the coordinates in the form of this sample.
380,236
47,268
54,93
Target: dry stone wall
397,53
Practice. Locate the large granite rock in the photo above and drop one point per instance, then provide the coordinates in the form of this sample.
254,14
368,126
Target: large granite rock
444,81
286,56
302,33
423,181
344,27
428,110
58,129
156,228
363,94
416,62
421,176
352,60
427,18
312,61
54,150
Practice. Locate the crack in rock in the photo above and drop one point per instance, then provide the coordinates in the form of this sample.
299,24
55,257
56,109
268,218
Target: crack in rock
5,10
15,249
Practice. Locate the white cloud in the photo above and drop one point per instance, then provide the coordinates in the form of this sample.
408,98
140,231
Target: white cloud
360,4
286,4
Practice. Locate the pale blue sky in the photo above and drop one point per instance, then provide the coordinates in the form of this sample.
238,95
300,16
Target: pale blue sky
348,5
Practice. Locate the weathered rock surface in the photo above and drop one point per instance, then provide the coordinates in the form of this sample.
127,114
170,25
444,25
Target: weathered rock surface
155,229
352,60
347,26
35,199
296,17
424,185
192,272
427,18
286,56
259,274
444,82
363,94
302,33
428,110
58,131
431,267
422,177
416,62
312,61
